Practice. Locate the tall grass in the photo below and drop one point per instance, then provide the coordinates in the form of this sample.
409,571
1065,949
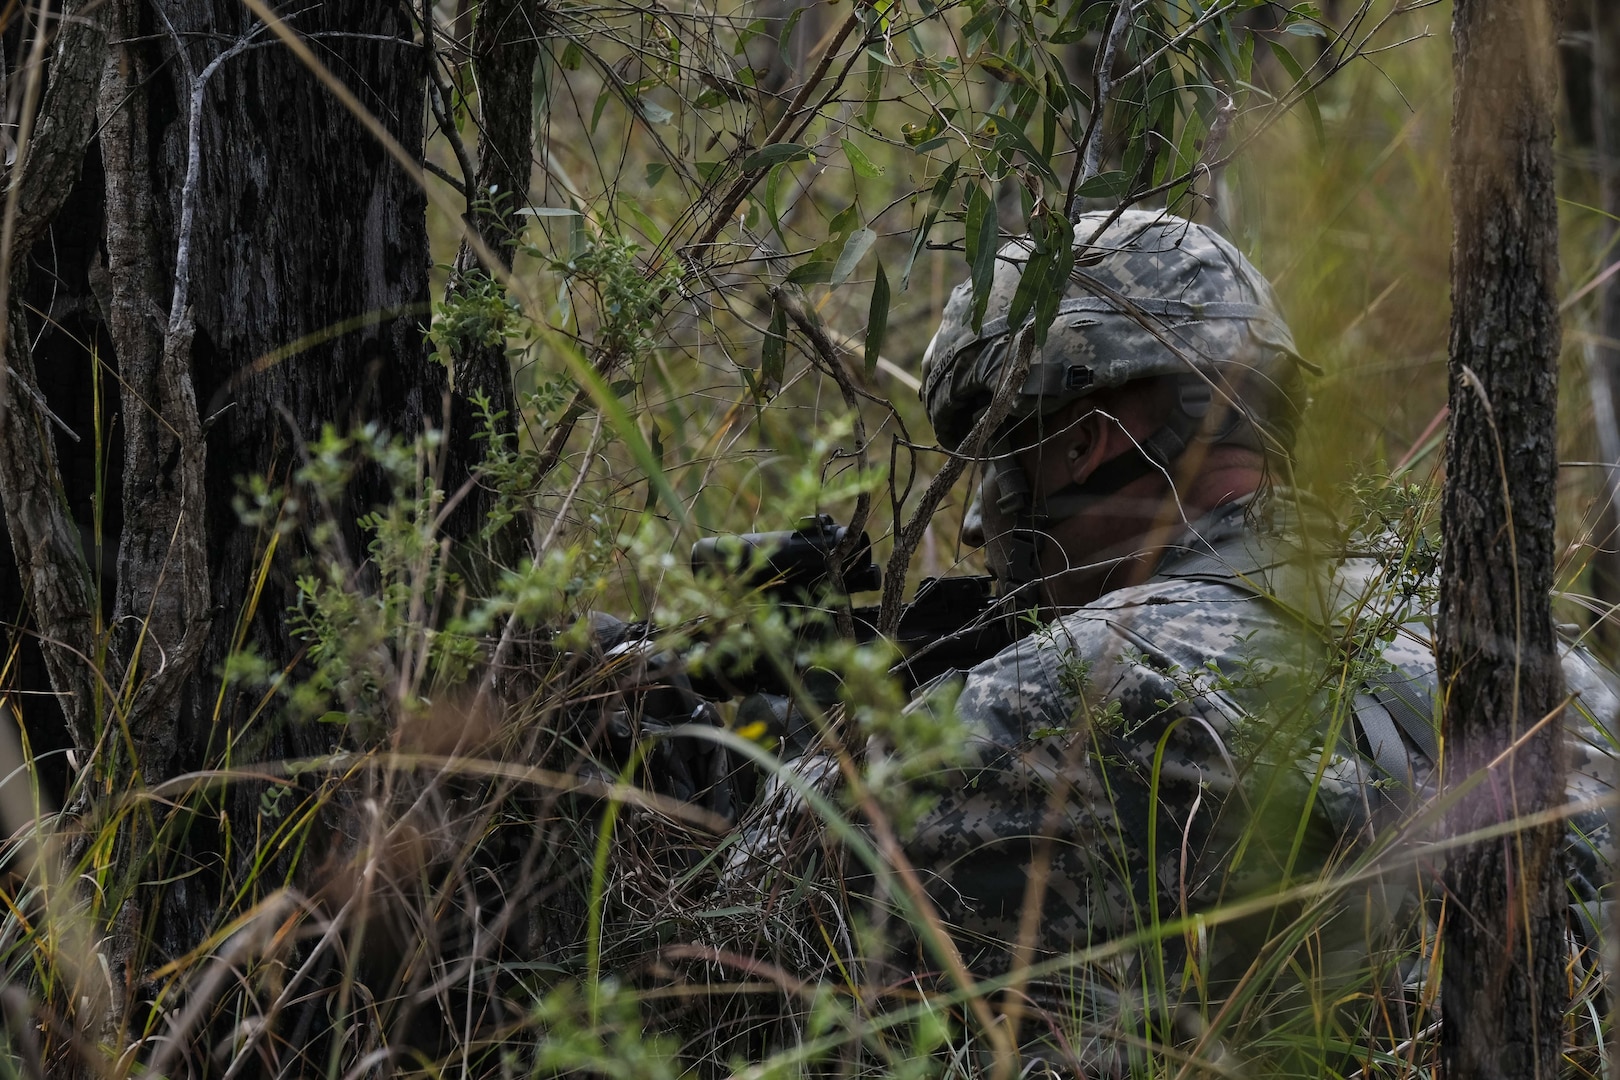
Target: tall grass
492,874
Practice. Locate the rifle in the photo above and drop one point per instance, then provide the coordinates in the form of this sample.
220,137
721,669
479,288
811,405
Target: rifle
951,622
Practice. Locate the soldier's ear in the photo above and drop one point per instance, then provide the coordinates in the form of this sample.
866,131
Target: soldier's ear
1088,445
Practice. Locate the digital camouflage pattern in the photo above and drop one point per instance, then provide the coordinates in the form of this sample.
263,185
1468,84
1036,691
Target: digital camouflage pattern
1186,743
1195,304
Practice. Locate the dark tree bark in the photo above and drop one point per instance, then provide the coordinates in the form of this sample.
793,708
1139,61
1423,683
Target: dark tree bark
1503,996
1606,133
243,210
505,46
1604,354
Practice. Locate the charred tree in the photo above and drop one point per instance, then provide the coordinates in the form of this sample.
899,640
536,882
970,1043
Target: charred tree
245,264
505,44
1503,996
1603,354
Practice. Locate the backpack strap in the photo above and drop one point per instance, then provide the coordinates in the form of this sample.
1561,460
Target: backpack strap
1400,703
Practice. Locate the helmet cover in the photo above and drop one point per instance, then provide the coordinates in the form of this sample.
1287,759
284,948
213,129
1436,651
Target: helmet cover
1153,294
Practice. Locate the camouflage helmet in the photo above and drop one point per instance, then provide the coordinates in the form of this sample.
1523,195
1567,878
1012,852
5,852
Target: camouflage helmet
1196,307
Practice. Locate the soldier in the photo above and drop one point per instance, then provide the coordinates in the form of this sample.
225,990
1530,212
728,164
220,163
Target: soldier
1225,708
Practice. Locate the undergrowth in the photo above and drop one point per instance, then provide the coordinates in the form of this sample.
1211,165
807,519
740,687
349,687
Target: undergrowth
543,843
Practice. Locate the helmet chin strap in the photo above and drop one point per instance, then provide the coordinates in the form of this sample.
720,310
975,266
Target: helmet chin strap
1031,516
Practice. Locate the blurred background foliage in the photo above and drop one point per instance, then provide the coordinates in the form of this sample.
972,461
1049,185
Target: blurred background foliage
690,167
1341,201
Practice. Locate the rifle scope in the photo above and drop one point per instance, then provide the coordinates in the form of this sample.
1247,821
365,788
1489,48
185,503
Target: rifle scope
793,562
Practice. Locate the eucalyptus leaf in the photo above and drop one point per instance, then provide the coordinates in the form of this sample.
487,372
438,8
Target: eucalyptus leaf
652,112
982,234
814,272
784,38
877,319
1297,73
858,161
936,199
855,248
1108,185
773,354
774,154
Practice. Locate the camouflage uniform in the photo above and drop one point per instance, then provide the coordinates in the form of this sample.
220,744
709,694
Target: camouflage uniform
1196,740
1249,720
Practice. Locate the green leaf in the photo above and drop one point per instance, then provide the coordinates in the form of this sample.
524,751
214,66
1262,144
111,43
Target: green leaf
874,95
1061,266
784,39
1161,96
813,272
877,319
1188,151
936,199
1297,73
845,222
1108,185
855,248
839,230
1046,275
1003,70
774,154
858,160
1011,137
648,225
546,211
1060,238
572,57
1245,67
773,190
655,172
1036,271
982,234
747,34
652,112
773,355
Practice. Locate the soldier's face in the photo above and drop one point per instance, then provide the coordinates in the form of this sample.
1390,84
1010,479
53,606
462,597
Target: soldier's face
1096,548
1076,560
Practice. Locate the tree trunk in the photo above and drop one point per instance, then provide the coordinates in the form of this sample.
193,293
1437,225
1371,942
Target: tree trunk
263,272
1604,354
505,46
1503,998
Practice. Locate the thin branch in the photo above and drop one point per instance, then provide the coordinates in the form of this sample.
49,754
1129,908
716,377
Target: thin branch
791,299
1089,159
910,535
8,228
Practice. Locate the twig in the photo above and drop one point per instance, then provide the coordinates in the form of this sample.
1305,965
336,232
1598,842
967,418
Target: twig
188,191
447,124
1089,158
42,405
791,299
8,227
727,206
907,538
443,174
